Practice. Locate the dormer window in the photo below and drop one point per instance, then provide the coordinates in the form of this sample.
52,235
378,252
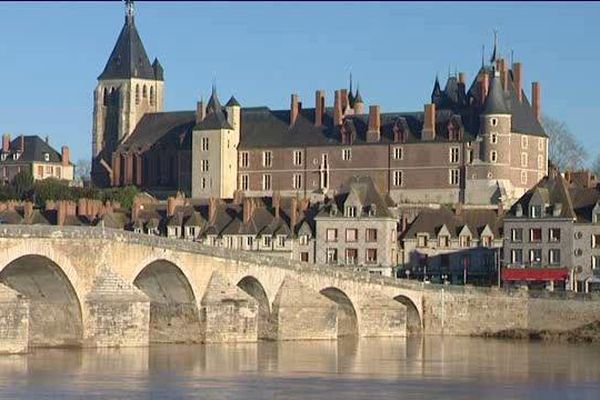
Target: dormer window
519,210
535,211
465,241
444,241
16,156
351,211
46,157
372,210
3,156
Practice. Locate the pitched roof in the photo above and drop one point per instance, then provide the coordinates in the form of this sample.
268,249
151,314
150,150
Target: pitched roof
552,190
432,221
128,58
34,149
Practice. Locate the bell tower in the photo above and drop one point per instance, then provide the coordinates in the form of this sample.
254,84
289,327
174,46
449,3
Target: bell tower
128,87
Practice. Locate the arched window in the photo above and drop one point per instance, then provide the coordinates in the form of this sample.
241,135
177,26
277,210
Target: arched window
145,92
105,97
137,94
151,95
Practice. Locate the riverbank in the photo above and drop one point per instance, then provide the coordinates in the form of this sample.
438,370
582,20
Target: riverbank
589,333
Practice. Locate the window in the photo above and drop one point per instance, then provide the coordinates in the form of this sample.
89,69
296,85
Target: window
535,235
493,156
297,181
421,240
494,121
595,241
371,256
371,235
595,262
523,159
244,182
145,92
398,153
351,235
541,144
486,241
151,96
350,211
346,154
554,256
137,94
204,165
41,171
244,159
554,234
304,256
332,256
469,156
540,162
454,177
398,178
454,155
351,256
266,182
524,142
464,241
57,172
46,157
16,156
203,183
535,211
331,235
535,256
516,235
267,158
204,144
516,256
49,170
249,241
523,177
297,157
494,138
267,241
444,241
304,240
280,241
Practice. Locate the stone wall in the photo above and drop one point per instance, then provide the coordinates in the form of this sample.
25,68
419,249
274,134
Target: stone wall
14,321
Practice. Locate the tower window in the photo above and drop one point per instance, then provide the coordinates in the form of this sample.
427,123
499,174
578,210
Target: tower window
398,181
524,142
145,92
204,144
493,156
46,157
267,159
494,121
454,177
494,138
151,96
105,97
137,94
524,159
454,155
346,154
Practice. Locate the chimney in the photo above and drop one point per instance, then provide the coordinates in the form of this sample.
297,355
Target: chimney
536,99
28,210
170,206
276,202
247,210
484,85
319,107
344,93
374,131
337,109
429,122
518,79
212,210
504,75
64,155
6,142
294,109
293,214
200,111
461,77
22,144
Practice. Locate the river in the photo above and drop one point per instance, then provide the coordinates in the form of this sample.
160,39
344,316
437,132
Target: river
414,368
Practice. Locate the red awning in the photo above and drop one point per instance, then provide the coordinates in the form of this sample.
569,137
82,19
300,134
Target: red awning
534,274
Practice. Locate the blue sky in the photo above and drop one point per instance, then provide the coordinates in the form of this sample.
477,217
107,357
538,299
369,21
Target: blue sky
52,54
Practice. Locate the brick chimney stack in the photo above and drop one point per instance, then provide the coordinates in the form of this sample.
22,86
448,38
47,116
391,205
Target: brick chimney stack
517,69
248,209
64,156
337,109
374,131
294,109
429,122
344,93
319,107
536,99
22,143
504,74
6,142
200,111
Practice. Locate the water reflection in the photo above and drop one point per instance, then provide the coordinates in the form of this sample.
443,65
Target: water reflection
350,368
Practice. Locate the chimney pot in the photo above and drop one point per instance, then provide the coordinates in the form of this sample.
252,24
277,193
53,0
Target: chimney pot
319,107
374,131
536,99
6,142
64,155
294,109
200,111
518,80
337,109
428,132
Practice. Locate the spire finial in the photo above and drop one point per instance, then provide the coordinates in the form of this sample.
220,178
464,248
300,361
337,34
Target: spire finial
512,56
482,55
214,86
129,10
493,59
350,82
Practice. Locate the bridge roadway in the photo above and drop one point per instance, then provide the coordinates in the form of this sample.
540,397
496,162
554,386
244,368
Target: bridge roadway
95,287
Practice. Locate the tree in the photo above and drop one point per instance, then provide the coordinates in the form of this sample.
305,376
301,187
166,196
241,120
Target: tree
596,166
83,169
22,184
564,150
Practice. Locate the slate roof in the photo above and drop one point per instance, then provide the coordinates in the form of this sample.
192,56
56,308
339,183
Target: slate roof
496,102
552,190
232,102
128,58
34,150
432,220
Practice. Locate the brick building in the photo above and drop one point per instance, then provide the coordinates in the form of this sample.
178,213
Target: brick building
477,143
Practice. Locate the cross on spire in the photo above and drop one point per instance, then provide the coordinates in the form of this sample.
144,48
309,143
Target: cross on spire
129,10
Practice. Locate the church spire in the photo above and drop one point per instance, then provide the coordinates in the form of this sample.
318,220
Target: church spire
129,11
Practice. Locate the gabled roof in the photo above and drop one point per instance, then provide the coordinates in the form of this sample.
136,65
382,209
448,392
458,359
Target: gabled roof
551,190
473,221
361,190
34,149
128,58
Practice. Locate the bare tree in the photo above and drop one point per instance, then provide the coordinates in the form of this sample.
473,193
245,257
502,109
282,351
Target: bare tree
83,169
564,151
596,166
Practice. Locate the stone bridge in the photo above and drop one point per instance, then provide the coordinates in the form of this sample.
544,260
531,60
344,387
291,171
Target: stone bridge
95,287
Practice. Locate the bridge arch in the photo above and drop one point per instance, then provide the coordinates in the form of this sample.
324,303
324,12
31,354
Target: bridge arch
55,312
346,315
174,316
414,322
255,289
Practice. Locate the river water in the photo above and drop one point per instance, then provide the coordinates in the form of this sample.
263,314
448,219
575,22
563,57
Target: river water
414,368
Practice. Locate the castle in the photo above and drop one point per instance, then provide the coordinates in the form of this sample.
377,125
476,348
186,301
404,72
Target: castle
476,144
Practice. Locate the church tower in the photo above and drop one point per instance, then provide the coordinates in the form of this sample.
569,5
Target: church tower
128,87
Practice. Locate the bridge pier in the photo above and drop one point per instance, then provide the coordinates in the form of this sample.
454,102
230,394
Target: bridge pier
14,321
227,313
382,317
118,313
